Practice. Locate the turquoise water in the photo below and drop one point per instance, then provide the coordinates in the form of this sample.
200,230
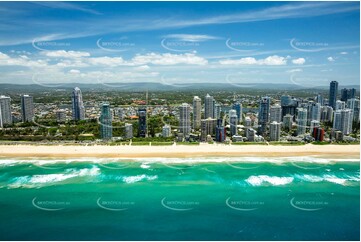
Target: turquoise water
300,198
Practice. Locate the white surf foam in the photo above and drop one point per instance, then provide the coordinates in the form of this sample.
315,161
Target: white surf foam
264,179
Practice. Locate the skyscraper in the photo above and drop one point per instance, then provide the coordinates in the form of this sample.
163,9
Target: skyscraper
5,111
217,110
238,107
347,94
77,105
233,121
318,133
220,131
319,99
106,128
287,122
315,111
142,122
275,131
263,114
333,94
184,119
340,105
301,121
209,107
354,105
27,108
276,113
197,108
208,127
343,120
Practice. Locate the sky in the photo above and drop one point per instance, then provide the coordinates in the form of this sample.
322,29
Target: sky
175,43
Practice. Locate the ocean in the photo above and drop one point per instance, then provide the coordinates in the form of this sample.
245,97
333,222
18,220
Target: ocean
295,198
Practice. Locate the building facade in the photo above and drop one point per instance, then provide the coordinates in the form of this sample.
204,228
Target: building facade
27,108
78,105
106,128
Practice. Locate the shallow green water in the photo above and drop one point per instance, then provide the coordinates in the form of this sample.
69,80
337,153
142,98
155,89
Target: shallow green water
172,199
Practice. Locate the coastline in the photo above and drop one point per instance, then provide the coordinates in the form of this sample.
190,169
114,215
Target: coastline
178,151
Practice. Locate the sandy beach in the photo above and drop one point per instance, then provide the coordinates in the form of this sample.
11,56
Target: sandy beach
203,150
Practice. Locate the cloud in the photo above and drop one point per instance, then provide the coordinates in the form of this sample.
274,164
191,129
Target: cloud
73,71
168,59
343,53
299,61
294,70
330,59
273,60
67,6
66,54
190,37
22,60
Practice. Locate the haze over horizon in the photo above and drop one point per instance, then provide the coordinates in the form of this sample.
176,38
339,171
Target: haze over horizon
301,43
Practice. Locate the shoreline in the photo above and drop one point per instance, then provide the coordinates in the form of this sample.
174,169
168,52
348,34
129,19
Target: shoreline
178,151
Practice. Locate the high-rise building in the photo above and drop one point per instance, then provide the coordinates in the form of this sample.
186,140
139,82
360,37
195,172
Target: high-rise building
314,124
166,131
5,111
208,127
197,109
128,131
343,120
329,114
119,112
77,105
220,131
315,111
318,133
209,107
238,107
340,105
217,110
263,115
27,108
354,105
301,121
276,113
142,122
247,122
319,99
233,121
275,131
288,105
184,119
333,94
251,134
60,116
347,94
106,128
287,122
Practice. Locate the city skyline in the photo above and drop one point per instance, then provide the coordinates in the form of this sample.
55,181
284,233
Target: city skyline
238,43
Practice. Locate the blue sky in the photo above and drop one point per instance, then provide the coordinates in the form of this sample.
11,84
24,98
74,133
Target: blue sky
304,43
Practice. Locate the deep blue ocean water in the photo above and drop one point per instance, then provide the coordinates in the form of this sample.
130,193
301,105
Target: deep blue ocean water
300,198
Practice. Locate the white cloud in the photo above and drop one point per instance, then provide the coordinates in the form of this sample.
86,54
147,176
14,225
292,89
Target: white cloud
331,59
66,54
168,59
73,71
142,68
273,60
6,60
106,61
294,70
299,61
343,53
191,37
